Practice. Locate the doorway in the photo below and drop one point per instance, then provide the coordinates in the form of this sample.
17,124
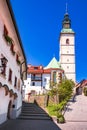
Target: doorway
9,110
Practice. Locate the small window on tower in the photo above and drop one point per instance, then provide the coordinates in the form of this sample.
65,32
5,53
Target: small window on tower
67,41
67,67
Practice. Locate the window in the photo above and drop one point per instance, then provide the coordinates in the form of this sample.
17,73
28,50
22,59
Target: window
43,87
33,83
16,57
68,60
10,75
67,41
15,83
67,52
18,84
67,67
5,30
35,68
45,79
12,48
54,77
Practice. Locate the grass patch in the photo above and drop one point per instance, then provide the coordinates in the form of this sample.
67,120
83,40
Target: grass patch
52,109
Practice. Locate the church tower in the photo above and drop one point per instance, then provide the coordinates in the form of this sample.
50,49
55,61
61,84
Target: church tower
67,48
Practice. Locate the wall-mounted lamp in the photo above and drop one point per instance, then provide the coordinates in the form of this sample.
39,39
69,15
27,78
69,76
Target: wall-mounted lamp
3,63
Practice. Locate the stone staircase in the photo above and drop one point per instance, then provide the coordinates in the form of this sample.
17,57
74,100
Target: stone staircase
31,111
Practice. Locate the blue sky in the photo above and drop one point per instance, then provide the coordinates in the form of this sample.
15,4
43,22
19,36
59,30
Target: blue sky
40,22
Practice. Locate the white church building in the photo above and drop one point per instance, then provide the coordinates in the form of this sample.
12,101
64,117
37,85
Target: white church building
39,77
67,48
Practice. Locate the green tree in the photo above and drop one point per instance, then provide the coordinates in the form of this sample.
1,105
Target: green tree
65,90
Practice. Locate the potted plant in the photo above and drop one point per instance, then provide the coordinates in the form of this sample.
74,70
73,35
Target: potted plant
8,39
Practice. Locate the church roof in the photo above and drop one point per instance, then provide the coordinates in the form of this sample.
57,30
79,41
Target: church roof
53,64
67,30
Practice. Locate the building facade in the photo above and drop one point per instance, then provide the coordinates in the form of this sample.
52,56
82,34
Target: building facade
67,48
39,77
12,64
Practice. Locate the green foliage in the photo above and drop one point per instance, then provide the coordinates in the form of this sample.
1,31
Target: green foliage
61,105
8,39
53,91
52,108
85,91
65,90
18,62
60,118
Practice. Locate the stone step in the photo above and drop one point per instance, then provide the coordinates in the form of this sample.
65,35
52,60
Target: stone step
31,111
34,114
34,118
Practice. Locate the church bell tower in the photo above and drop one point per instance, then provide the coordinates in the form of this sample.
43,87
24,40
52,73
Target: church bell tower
67,48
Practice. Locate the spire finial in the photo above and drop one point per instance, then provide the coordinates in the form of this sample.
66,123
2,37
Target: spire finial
66,8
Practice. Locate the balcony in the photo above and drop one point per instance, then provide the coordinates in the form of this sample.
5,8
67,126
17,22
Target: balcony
36,78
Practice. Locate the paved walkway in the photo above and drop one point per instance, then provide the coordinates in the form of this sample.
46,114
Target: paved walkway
77,111
76,115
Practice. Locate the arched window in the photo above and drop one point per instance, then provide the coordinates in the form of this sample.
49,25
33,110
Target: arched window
67,41
54,77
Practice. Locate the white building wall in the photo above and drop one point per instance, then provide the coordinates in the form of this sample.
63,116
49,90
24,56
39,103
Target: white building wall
66,59
11,64
69,68
67,49
46,81
67,55
65,36
38,88
71,76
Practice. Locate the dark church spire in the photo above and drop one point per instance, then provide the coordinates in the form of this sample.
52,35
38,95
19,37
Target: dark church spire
66,21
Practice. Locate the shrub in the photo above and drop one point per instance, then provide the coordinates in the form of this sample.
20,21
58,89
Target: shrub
61,105
60,118
52,109
85,91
